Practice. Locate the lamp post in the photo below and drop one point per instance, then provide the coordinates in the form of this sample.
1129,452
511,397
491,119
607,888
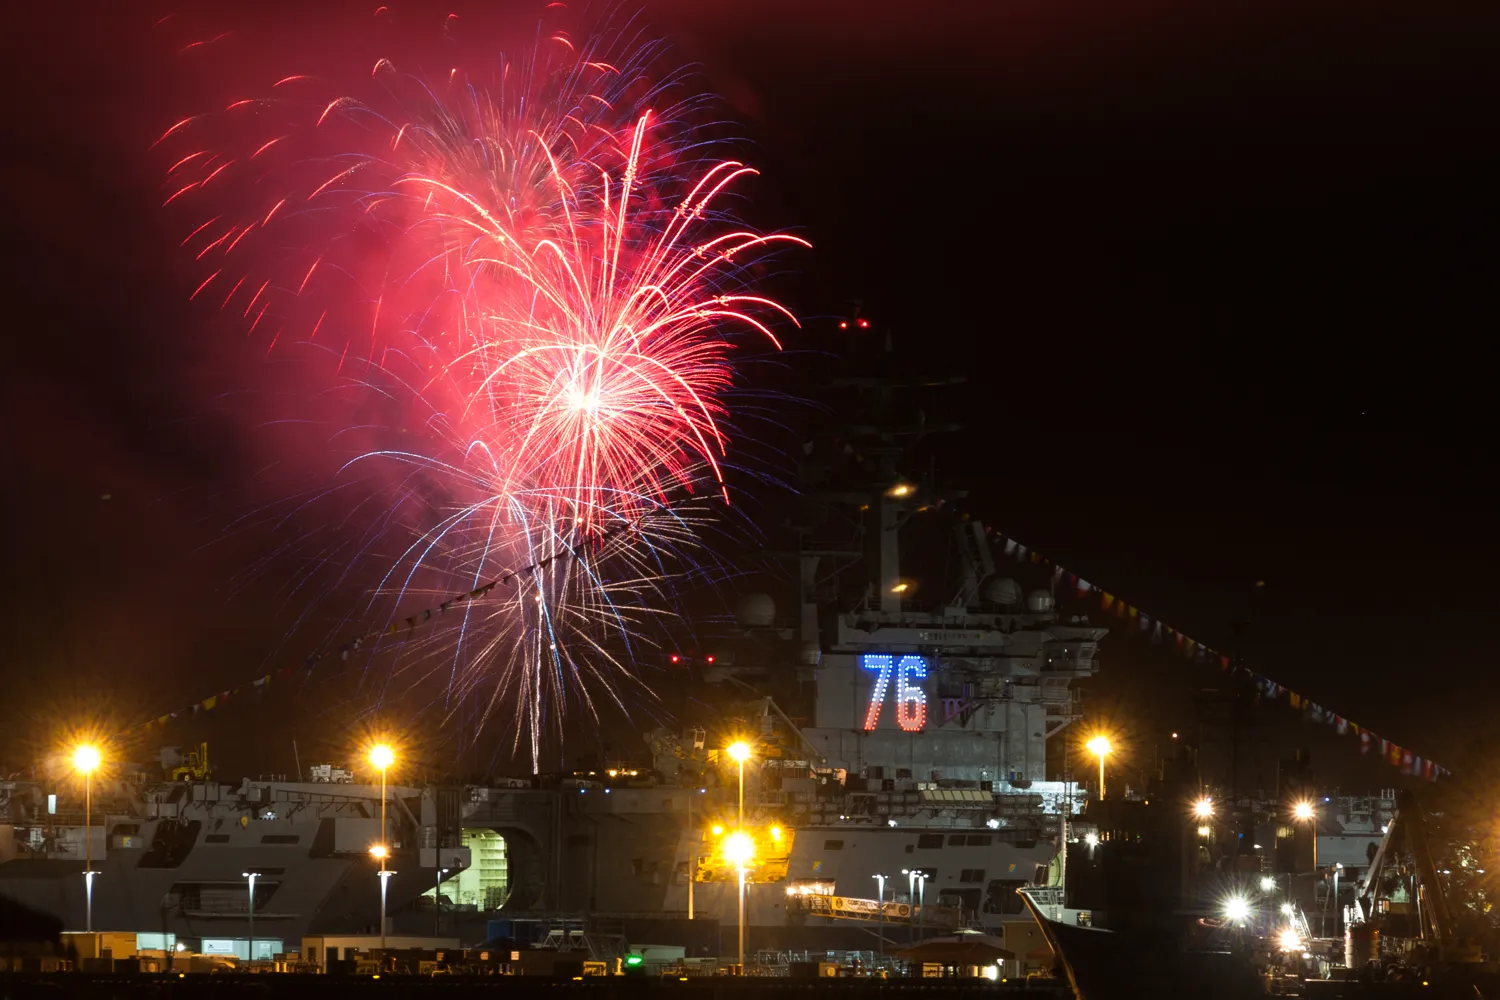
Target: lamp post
86,760
379,851
738,850
252,876
692,872
880,883
437,895
1099,746
921,905
382,756
1305,812
739,751
911,900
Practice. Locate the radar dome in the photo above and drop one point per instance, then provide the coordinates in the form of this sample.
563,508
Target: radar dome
755,611
1039,601
1004,591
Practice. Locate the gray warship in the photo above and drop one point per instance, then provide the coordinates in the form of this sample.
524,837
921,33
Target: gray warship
906,774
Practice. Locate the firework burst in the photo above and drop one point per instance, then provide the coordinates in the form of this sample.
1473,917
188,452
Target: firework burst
539,273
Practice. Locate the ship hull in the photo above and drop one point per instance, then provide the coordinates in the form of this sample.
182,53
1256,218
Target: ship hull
1109,965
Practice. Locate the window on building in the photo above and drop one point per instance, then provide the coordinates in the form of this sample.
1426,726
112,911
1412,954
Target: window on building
971,875
280,838
930,841
833,845
956,839
966,900
980,840
1001,896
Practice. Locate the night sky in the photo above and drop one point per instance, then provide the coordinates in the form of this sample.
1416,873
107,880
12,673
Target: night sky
1220,275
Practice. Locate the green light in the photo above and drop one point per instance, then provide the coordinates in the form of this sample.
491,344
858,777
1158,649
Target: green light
633,960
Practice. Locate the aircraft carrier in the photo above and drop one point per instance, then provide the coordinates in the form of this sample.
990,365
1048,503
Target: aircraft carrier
899,774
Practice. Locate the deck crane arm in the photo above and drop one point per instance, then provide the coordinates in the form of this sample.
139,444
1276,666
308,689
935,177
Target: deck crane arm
1434,901
1367,889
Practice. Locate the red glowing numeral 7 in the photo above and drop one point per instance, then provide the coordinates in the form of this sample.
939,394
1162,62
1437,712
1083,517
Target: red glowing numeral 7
911,700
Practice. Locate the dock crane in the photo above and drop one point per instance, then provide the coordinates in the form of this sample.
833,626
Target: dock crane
1406,852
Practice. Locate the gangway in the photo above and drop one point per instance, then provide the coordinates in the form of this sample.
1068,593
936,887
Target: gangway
870,910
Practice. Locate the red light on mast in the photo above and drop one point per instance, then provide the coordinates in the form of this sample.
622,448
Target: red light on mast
708,659
864,324
843,324
676,658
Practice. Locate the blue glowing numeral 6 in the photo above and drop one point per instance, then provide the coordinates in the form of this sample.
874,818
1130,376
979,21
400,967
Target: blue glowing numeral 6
911,700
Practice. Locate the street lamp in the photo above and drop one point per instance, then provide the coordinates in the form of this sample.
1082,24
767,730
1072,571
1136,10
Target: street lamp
739,752
738,850
1204,808
252,876
693,840
1305,812
916,893
86,761
921,905
380,852
382,756
437,895
1099,746
880,882
1237,909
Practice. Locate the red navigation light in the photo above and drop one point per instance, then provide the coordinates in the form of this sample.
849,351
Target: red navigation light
709,658
864,324
676,658
843,324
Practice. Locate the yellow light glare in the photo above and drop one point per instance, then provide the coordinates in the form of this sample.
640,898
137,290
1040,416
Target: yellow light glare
1289,940
718,830
901,490
738,848
1098,746
1303,810
1204,831
776,833
738,751
378,851
382,756
86,758
1203,808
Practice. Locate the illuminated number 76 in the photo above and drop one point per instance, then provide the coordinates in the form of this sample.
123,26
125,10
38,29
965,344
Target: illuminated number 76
911,700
